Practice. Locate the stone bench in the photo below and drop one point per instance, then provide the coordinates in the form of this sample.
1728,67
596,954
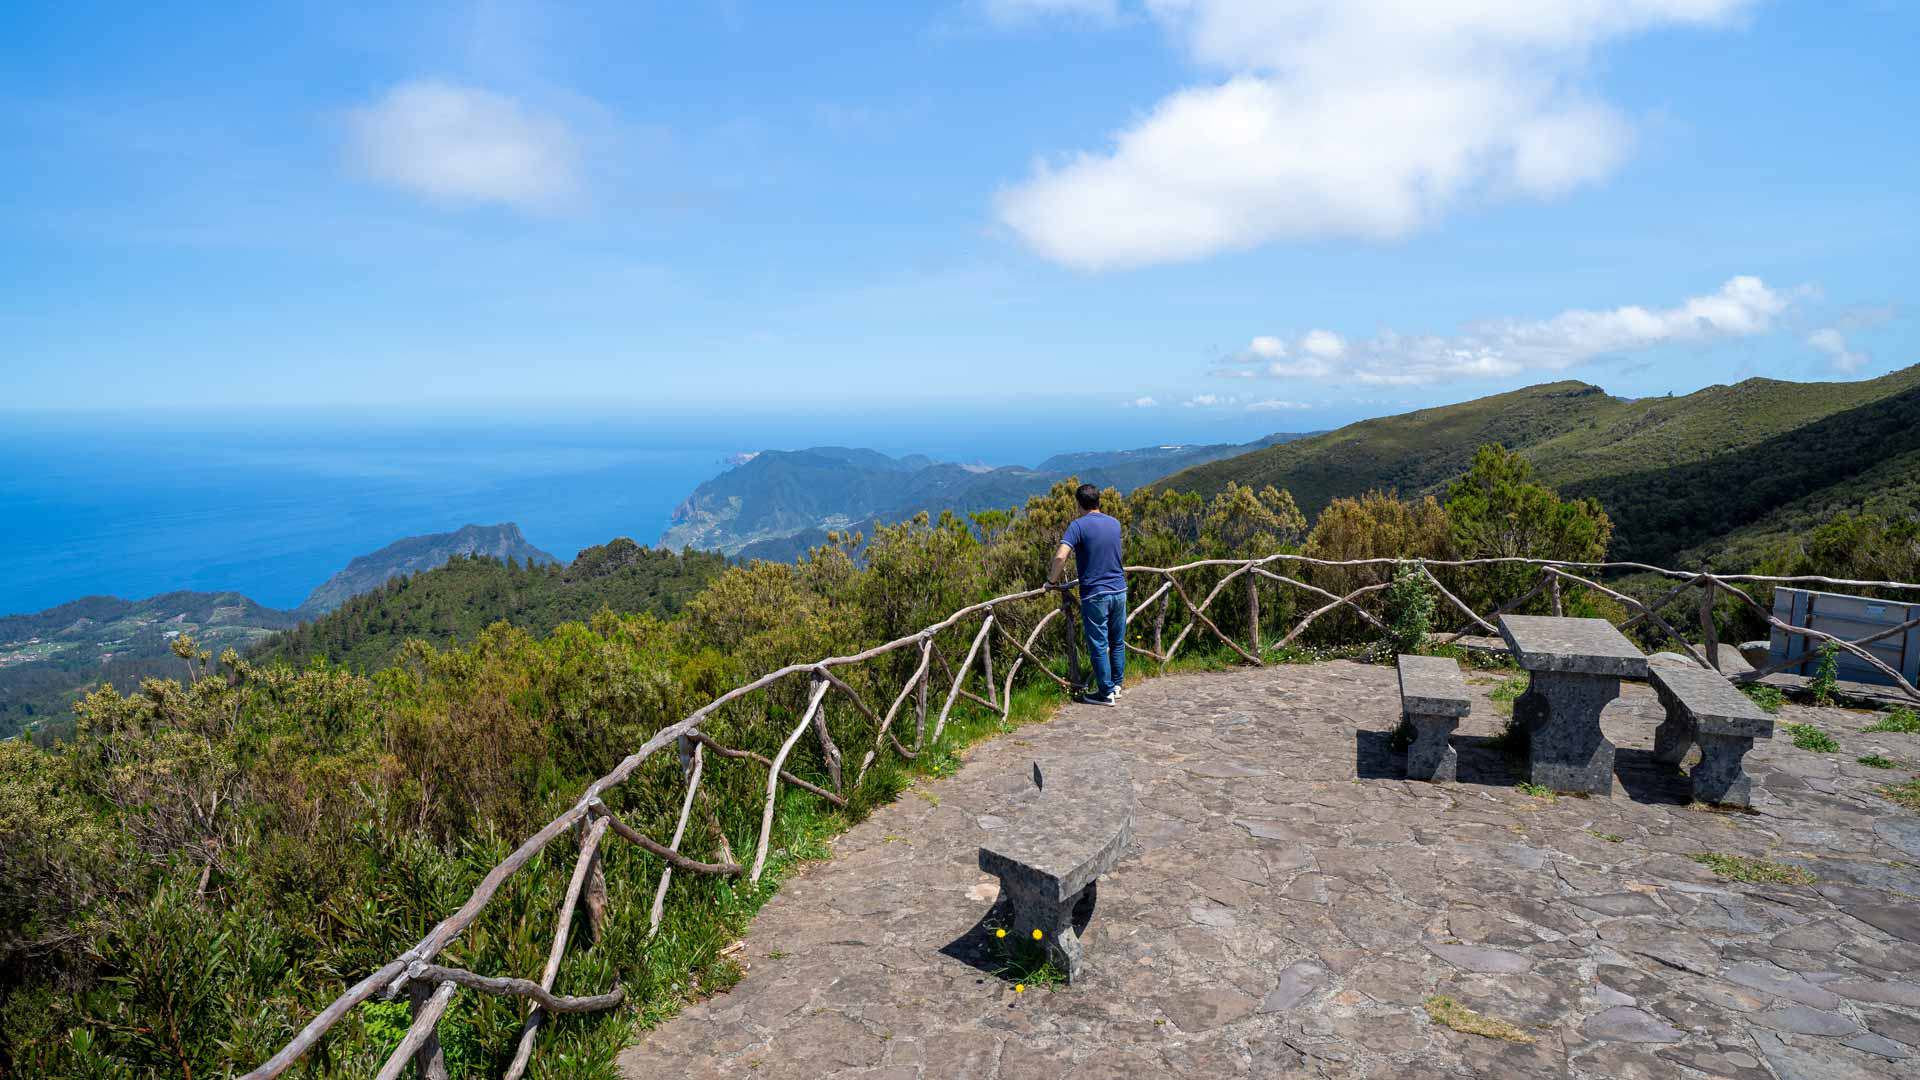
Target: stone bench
1704,708
1433,698
1049,858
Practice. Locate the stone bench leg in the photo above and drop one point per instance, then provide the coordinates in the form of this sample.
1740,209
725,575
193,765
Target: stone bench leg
1431,755
1673,738
1721,777
1033,910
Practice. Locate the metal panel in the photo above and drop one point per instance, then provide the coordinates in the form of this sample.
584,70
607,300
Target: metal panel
1850,618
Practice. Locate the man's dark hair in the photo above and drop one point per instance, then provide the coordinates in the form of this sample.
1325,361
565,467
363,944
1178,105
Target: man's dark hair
1087,496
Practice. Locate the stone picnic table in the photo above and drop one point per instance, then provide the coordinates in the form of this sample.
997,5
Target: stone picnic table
1575,666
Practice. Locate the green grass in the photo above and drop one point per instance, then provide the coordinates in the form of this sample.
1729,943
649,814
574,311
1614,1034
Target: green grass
1752,871
1899,721
1447,1012
1811,737
1906,793
1538,791
1769,698
1875,761
1507,693
1611,838
1025,964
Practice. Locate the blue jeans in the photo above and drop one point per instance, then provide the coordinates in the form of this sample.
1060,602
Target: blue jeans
1105,617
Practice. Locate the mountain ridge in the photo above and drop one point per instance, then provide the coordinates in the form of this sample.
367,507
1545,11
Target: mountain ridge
1699,474
777,503
413,554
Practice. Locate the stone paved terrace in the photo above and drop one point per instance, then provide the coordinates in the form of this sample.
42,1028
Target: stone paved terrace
1290,901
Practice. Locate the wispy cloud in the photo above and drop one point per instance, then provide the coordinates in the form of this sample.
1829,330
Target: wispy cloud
462,144
1367,118
1277,405
1206,401
1142,403
1743,307
1833,342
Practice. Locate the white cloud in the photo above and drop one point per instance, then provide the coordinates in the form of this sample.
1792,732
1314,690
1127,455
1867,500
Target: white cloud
1143,403
462,144
1831,341
1324,344
1269,348
1206,401
1743,307
1276,405
1367,118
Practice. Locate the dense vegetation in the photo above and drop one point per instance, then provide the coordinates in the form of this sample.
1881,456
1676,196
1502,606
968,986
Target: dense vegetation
457,601
207,861
1729,473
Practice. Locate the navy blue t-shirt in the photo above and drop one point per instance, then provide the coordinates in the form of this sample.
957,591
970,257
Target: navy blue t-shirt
1095,540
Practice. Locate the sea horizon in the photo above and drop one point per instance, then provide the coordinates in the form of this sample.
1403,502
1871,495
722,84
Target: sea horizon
271,504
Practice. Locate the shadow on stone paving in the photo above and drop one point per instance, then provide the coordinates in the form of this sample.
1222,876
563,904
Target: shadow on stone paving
1481,759
1647,779
977,948
1373,756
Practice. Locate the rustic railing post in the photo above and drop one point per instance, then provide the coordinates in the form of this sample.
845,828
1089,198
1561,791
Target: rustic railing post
986,667
1553,588
1709,633
1253,609
1160,626
430,1061
920,698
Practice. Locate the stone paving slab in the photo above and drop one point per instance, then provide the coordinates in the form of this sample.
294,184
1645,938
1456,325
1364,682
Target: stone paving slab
1289,901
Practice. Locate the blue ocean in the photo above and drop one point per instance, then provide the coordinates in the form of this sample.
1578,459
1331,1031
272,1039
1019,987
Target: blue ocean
131,511
133,506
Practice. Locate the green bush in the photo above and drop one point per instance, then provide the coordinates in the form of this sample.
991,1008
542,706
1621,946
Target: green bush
1409,604
1826,675
1769,698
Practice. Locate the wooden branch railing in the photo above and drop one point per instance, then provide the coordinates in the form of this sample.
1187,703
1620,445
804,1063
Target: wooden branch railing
431,986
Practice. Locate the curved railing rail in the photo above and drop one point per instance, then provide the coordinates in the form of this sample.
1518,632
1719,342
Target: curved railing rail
431,986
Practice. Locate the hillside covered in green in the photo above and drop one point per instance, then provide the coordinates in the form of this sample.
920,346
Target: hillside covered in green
1726,473
46,655
454,603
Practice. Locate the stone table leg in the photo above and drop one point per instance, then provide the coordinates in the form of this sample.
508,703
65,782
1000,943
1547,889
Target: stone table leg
1431,756
1566,750
1053,918
1721,777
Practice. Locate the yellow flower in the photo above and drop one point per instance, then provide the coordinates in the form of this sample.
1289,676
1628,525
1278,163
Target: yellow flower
1019,988
1000,932
1036,935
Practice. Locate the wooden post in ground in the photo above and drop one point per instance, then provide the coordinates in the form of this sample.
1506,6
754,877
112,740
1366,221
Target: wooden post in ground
429,1062
1554,588
920,698
1253,609
1709,633
1160,626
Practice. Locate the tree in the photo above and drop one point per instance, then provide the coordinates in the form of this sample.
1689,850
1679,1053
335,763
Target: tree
1497,511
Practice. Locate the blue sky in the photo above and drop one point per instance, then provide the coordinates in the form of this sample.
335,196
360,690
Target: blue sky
1194,216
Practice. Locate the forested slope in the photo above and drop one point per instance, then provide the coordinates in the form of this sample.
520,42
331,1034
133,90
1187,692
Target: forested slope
454,603
1726,472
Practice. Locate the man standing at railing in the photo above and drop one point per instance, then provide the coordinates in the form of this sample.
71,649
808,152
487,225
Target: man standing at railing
1093,539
